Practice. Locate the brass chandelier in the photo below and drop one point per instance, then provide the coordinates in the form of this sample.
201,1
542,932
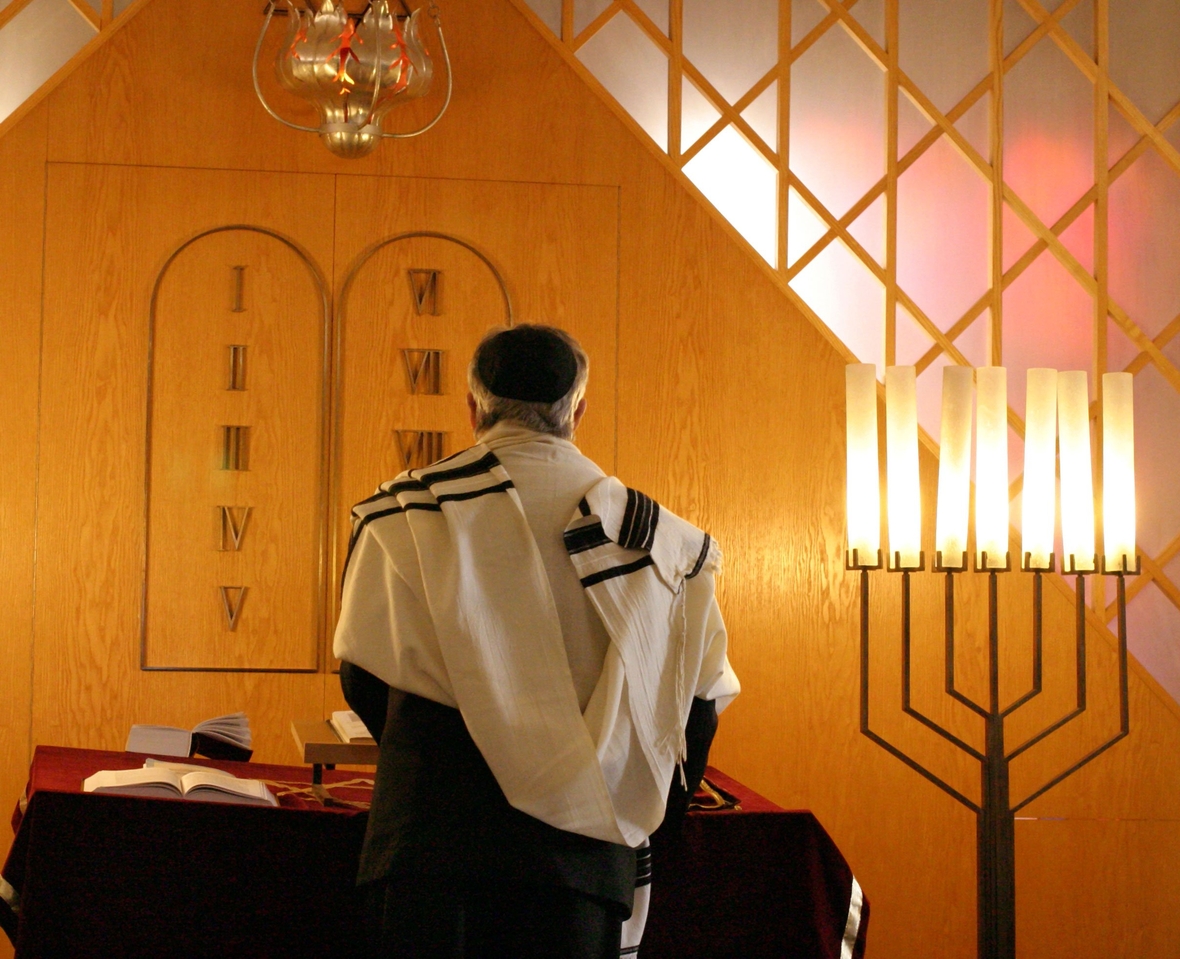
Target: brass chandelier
353,69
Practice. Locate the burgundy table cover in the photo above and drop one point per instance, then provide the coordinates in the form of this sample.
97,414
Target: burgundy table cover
110,876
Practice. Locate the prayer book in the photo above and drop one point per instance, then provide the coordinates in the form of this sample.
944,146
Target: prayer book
222,737
204,785
350,729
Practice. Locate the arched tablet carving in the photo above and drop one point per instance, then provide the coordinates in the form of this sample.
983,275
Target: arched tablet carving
236,462
409,312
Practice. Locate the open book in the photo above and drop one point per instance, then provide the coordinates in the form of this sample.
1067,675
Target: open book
201,785
350,729
222,737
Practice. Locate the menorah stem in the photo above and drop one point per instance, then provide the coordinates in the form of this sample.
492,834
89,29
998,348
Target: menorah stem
995,830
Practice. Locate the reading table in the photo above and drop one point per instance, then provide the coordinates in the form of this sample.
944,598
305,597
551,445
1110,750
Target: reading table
94,875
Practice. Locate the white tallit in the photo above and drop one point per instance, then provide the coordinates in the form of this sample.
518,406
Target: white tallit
450,552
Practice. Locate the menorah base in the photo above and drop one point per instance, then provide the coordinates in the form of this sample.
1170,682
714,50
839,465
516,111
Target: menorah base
995,814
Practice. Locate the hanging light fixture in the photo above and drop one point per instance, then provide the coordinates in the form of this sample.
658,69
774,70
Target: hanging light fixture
353,69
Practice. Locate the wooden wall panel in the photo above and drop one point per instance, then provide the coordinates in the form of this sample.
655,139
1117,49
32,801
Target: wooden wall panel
234,572
22,193
729,411
100,269
498,126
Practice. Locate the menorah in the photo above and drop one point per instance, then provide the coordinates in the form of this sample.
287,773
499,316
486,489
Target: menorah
1057,406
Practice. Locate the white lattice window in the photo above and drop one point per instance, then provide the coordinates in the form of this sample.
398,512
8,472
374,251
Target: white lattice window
935,191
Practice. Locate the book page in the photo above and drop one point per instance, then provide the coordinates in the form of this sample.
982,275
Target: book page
231,728
350,728
212,781
181,768
122,780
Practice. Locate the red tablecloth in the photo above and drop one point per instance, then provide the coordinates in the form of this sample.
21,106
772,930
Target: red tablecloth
114,876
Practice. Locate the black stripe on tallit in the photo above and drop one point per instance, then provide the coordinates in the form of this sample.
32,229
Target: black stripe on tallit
653,521
356,535
615,571
584,507
428,507
482,465
701,559
585,537
638,529
393,490
475,493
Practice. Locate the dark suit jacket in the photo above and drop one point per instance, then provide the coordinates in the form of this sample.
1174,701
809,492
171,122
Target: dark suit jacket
438,810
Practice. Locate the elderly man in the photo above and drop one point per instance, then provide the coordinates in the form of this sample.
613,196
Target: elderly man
540,653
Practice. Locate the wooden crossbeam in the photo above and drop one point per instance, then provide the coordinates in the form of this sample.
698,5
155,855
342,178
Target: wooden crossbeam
953,116
13,8
1064,223
995,48
1162,339
813,35
783,146
960,325
600,21
877,270
675,79
92,16
1101,243
1151,570
97,41
891,176
915,153
1070,47
730,114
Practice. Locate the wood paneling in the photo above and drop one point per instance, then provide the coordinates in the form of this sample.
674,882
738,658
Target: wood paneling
22,190
239,589
99,274
729,412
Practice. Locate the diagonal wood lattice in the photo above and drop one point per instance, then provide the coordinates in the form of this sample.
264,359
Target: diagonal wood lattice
1047,27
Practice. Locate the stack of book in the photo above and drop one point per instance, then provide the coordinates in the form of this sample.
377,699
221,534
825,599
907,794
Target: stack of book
222,737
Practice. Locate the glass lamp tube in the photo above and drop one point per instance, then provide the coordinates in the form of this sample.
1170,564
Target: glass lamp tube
1118,470
1077,480
1039,496
954,466
864,468
901,466
991,467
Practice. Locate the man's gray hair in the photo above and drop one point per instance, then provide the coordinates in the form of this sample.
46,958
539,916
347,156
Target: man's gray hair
556,418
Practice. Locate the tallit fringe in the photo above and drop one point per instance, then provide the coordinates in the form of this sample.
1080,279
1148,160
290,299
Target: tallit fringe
681,740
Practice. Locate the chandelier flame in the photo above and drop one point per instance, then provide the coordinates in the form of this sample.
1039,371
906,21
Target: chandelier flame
353,72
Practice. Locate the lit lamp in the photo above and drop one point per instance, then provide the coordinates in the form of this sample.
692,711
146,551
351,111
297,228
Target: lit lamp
954,469
901,468
1038,520
1118,473
1053,398
991,468
864,470
1077,480
353,70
